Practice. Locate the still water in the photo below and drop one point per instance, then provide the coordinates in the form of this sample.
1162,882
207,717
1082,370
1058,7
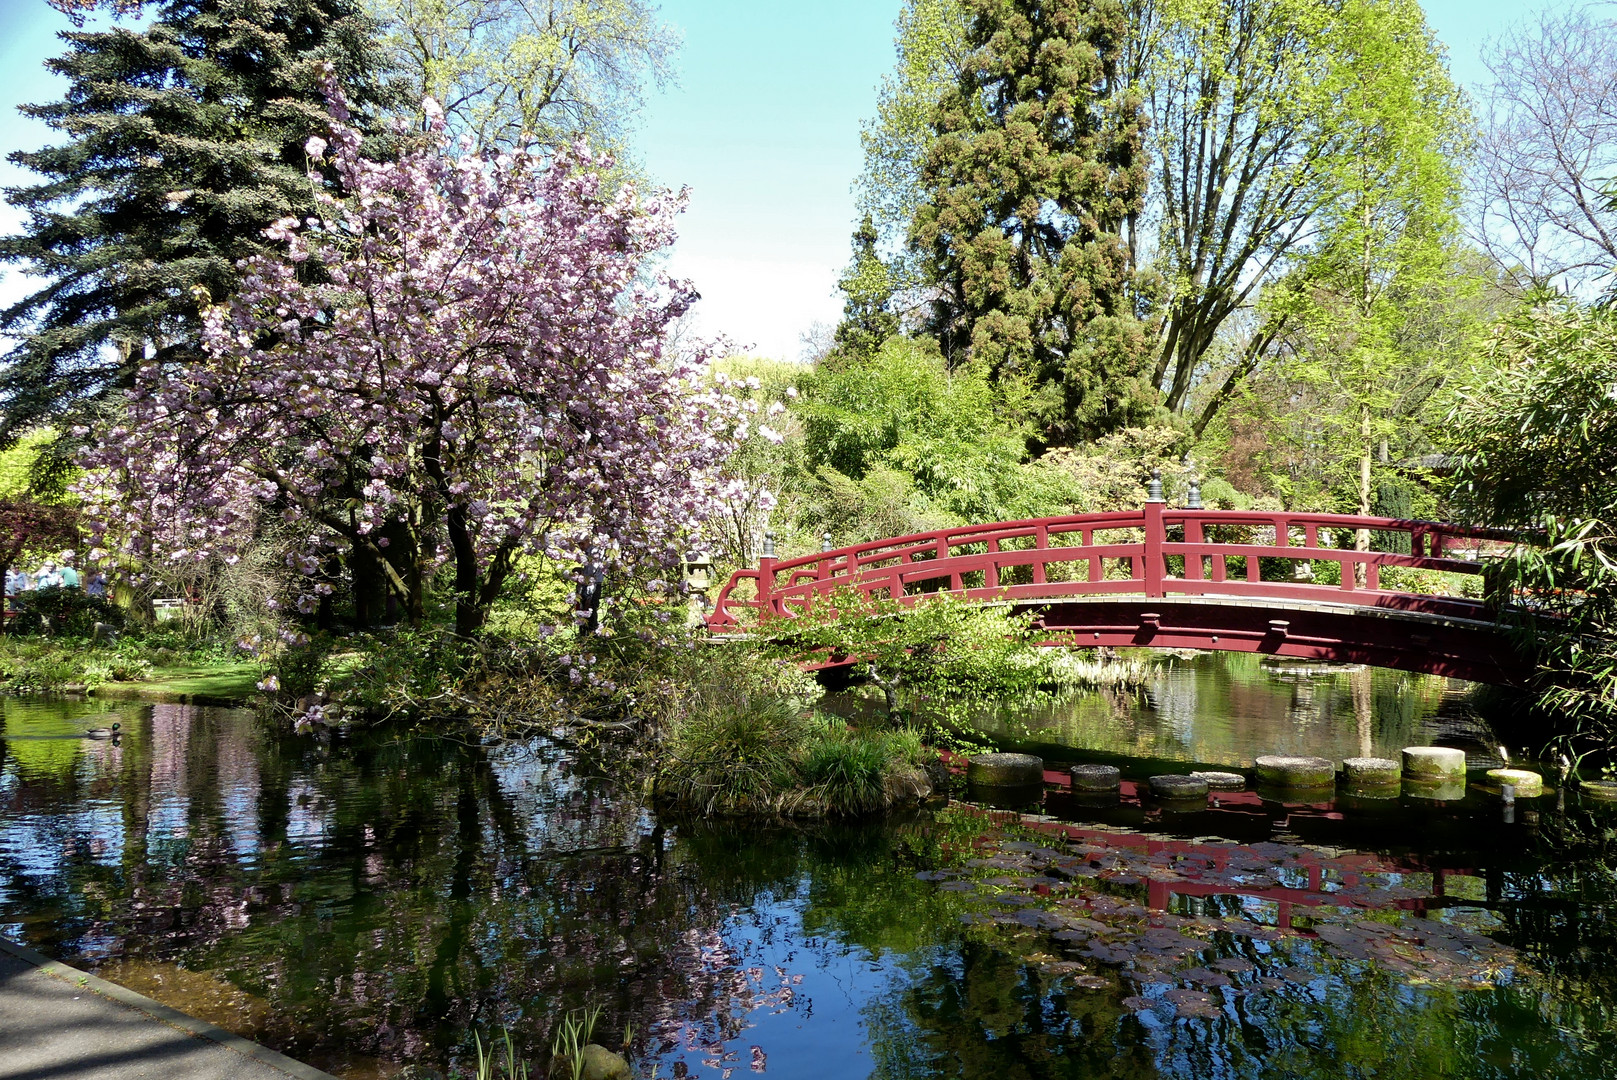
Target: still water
370,901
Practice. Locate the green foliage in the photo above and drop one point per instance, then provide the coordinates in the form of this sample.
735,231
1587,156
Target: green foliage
944,657
1037,167
1534,432
511,73
70,612
899,443
737,752
867,317
734,752
932,51
1534,440
300,664
857,772
404,673
498,1060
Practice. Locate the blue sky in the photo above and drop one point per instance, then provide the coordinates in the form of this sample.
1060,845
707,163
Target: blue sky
763,127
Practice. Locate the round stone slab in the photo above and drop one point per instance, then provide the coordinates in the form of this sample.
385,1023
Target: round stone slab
1222,781
1284,771
1096,778
1528,785
1174,786
1005,770
1601,790
1370,771
1433,763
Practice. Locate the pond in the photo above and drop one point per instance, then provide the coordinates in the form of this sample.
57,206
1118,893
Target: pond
369,901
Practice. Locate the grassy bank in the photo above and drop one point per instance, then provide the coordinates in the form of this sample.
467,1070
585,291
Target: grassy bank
164,668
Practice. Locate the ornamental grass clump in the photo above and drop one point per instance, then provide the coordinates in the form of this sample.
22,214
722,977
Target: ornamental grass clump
854,772
734,753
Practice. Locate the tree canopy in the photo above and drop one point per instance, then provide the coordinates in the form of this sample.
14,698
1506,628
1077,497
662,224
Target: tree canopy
480,373
183,141
1036,170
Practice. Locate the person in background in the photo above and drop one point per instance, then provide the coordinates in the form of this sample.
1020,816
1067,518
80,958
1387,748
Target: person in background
96,584
69,576
47,577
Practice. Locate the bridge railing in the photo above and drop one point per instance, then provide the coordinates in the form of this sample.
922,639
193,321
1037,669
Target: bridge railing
1156,551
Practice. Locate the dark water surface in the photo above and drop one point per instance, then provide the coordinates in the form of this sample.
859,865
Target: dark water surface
368,902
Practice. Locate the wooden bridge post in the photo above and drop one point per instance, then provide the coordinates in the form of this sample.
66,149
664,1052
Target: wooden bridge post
766,578
1155,535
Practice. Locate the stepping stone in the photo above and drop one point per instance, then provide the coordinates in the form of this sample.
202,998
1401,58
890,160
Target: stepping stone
1174,786
1222,781
1370,771
1435,788
1005,770
1433,763
1095,778
1286,771
1528,785
1599,790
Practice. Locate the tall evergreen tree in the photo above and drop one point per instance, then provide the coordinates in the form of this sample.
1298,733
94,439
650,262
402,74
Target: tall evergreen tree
1037,171
183,142
867,315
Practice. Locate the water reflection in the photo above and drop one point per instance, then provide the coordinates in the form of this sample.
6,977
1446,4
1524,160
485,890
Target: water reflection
1227,708
365,903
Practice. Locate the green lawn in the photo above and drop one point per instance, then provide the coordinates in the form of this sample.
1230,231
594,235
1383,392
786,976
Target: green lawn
203,684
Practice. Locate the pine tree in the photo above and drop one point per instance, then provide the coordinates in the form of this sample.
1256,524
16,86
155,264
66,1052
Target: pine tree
1037,170
867,316
183,142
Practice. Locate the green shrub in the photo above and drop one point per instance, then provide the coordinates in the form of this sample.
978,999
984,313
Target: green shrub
72,612
300,667
734,753
852,772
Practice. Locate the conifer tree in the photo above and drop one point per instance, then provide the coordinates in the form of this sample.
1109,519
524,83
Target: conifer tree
1037,171
867,316
183,141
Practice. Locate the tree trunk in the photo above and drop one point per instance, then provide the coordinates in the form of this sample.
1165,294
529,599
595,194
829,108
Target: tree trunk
1366,447
889,689
470,612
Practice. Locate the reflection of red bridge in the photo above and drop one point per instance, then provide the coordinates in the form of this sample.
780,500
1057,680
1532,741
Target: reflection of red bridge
1213,868
1229,580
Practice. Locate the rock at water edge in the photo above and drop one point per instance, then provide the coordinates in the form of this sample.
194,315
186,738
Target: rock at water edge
602,1064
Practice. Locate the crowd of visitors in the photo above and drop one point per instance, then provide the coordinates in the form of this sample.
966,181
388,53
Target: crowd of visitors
55,573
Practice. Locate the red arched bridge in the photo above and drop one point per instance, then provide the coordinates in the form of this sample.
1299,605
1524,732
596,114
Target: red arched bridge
1229,580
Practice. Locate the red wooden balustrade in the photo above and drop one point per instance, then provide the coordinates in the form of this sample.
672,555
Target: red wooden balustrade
1215,553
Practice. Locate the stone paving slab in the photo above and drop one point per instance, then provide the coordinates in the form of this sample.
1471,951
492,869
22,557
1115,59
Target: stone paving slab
59,1023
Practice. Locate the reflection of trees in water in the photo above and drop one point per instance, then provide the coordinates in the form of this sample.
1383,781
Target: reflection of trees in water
384,897
398,893
1230,707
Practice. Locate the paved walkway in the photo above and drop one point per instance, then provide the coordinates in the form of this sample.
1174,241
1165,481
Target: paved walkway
58,1023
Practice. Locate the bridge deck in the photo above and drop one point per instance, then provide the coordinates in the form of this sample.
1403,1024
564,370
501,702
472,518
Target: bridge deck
1164,578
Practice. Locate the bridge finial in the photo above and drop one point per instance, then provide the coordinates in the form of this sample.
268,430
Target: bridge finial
825,541
769,545
1154,490
1193,499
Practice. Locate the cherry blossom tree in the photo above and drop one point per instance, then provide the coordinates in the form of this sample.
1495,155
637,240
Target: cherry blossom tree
460,360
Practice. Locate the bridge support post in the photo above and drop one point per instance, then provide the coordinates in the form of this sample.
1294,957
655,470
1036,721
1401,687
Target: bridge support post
766,578
1155,536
